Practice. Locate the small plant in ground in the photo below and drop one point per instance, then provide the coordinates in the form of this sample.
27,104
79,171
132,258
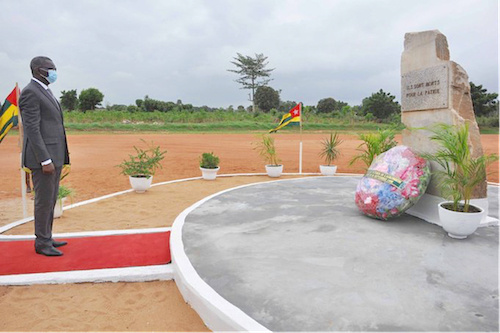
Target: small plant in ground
266,149
374,145
144,163
209,161
330,149
460,173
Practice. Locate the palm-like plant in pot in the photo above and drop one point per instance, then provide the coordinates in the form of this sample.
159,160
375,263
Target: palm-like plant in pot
330,152
373,145
458,176
142,166
267,151
209,165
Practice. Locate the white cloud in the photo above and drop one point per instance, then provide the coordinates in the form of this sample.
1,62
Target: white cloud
346,49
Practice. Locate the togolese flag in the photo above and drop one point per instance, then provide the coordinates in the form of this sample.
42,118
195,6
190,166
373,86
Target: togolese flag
292,117
9,113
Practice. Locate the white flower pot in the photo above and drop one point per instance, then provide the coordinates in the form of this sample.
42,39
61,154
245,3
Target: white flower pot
140,184
274,171
58,208
457,224
209,174
328,170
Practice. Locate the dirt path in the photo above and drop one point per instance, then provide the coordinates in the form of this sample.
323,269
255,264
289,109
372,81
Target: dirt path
155,306
94,157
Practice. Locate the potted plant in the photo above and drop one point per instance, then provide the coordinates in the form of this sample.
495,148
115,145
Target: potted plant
330,152
267,151
374,145
142,166
209,165
63,193
458,176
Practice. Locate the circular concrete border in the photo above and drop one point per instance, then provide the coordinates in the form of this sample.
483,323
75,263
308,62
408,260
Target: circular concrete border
216,312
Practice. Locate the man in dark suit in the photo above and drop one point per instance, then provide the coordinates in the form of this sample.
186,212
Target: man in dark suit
45,149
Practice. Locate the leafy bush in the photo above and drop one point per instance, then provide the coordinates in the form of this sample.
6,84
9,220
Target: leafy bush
144,163
209,161
488,121
64,192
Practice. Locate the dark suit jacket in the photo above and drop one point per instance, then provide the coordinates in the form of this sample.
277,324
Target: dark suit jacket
44,134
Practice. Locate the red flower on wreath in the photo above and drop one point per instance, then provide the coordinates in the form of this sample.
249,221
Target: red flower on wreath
367,202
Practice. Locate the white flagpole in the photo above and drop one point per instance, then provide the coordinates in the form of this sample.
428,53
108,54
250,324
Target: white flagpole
300,145
20,144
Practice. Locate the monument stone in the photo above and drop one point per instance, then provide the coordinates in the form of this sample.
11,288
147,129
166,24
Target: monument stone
435,90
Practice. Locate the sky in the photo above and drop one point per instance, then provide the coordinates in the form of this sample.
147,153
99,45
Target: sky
182,49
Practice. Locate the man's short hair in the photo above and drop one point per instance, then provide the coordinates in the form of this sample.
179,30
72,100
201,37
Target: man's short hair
37,62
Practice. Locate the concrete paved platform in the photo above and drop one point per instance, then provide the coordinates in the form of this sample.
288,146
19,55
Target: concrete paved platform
296,255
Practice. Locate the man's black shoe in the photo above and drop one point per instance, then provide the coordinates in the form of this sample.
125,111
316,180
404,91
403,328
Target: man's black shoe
49,251
58,244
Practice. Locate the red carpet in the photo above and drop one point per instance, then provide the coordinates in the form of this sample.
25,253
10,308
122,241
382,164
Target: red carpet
19,257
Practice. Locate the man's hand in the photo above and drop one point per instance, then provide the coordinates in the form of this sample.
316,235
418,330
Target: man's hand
48,169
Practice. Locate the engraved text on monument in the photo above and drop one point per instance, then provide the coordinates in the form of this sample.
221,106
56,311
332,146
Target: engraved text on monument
425,89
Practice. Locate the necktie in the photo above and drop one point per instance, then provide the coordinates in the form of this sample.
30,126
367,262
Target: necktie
54,97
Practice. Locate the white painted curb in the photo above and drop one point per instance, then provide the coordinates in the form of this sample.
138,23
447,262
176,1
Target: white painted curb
89,233
126,274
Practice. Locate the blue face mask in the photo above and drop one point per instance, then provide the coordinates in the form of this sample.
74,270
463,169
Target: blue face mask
51,76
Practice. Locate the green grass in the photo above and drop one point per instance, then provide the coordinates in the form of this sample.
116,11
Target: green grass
98,121
202,121
242,126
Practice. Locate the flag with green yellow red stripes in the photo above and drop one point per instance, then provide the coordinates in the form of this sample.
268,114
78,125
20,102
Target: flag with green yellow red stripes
292,118
9,114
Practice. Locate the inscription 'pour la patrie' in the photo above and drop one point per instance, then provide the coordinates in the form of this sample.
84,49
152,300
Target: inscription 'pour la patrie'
425,89
422,85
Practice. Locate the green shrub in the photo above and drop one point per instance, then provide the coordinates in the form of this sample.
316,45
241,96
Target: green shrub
144,163
209,161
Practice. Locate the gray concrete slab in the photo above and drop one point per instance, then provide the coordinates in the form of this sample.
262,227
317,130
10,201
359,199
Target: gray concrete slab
296,255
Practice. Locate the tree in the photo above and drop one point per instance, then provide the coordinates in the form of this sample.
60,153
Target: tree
327,105
381,105
286,106
69,100
140,103
250,71
150,105
484,103
90,98
267,98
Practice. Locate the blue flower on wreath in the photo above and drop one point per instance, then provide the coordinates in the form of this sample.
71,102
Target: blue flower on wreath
388,199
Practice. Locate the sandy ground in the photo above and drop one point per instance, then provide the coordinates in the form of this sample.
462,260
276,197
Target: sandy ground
152,306
148,306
